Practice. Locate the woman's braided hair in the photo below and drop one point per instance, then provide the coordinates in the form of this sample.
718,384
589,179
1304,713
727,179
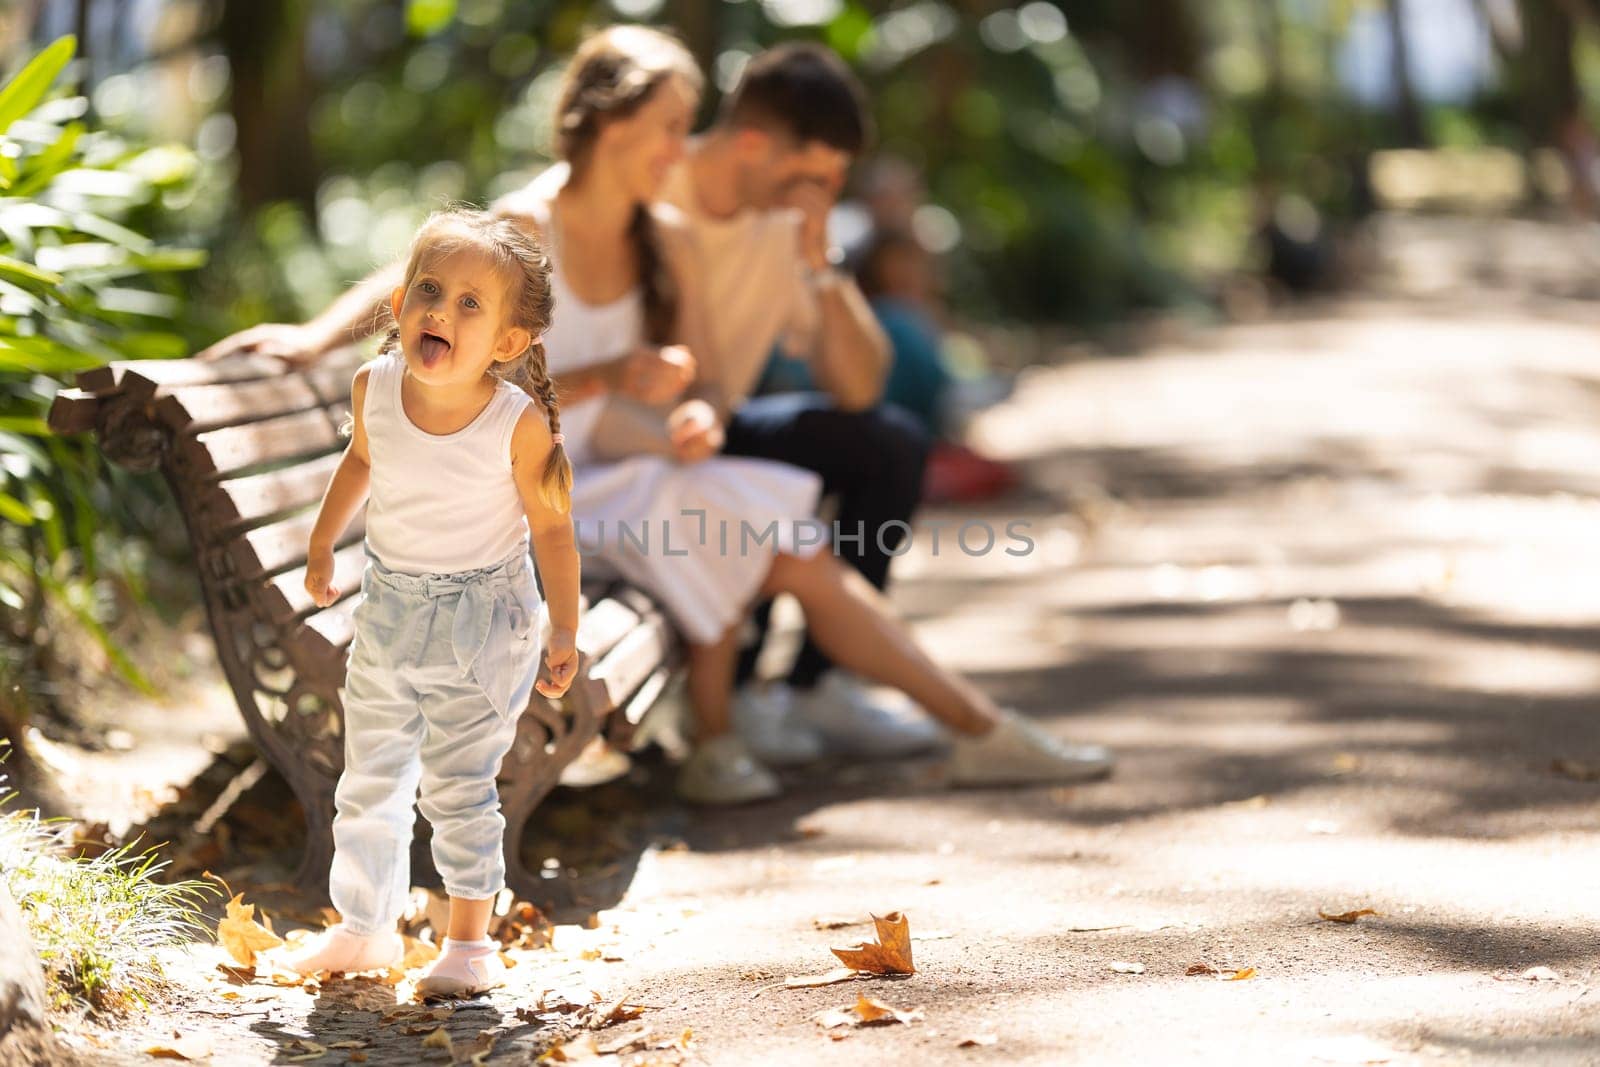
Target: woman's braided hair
521,260
612,75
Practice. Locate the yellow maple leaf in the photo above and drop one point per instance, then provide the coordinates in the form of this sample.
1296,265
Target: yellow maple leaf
241,935
890,954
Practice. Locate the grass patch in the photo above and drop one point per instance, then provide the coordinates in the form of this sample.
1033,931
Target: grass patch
97,922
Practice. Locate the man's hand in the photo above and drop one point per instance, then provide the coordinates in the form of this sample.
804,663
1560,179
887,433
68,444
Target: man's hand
319,577
814,199
560,664
695,431
297,346
656,375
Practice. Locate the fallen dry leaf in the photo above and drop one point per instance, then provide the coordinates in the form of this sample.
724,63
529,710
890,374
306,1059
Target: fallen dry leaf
578,1050
1241,976
1578,772
241,935
837,922
440,1039
811,981
418,953
182,1047
1123,967
619,1011
978,1041
410,1013
891,954
1346,916
307,1051
836,1017
876,1011
482,1047
1201,968
865,1012
238,975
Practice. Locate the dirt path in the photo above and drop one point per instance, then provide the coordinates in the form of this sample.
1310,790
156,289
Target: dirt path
1335,602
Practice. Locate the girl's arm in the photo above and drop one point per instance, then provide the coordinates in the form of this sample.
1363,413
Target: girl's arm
554,547
347,491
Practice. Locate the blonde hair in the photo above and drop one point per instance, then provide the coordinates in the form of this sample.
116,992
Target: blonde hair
520,258
612,75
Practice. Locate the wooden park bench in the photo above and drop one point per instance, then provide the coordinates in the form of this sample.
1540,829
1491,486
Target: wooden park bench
247,451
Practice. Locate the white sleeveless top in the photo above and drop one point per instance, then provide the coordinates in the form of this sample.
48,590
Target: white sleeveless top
441,503
582,334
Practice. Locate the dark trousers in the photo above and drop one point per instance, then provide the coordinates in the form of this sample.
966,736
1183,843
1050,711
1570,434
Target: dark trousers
870,461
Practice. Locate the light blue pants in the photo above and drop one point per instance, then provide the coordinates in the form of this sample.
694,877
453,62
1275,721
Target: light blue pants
440,669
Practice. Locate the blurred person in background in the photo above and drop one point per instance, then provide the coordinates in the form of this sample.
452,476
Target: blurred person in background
900,277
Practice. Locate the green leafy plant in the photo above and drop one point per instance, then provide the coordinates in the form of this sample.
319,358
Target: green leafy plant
79,285
98,923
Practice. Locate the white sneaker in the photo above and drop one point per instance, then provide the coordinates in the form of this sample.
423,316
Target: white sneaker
857,721
340,951
462,969
597,764
1018,752
722,771
764,717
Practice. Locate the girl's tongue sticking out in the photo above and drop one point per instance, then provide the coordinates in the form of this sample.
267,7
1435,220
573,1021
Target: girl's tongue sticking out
433,348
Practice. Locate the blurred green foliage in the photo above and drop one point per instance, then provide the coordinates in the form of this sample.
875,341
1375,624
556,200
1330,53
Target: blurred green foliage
1093,156
79,285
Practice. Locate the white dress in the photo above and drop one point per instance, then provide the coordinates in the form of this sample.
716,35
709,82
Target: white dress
698,537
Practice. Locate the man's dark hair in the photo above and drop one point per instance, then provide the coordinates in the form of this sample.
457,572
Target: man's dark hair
805,90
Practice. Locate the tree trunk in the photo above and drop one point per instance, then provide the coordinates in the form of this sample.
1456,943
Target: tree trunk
697,22
270,100
1546,80
1407,113
1161,39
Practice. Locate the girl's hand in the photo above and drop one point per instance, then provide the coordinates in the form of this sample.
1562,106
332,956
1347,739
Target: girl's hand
561,664
695,431
319,577
656,376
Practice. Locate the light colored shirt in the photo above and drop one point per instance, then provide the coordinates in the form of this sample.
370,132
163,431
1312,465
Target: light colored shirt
754,284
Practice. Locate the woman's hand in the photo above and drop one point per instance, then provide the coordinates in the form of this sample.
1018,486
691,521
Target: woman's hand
319,576
560,663
656,375
695,431
298,347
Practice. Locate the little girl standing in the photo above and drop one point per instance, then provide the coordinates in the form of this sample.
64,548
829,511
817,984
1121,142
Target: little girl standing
451,439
